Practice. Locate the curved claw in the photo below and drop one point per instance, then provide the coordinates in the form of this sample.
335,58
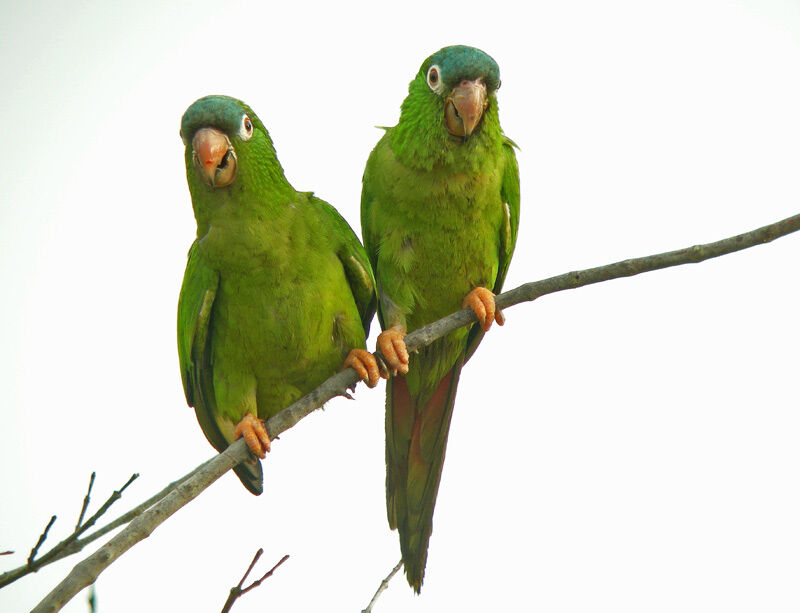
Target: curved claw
481,301
255,435
393,348
365,364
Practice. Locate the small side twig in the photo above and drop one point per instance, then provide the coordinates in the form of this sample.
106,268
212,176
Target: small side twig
68,545
41,540
64,549
384,584
6,553
125,518
237,591
116,495
85,502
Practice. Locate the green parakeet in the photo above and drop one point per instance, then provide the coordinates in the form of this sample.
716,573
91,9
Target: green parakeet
277,292
439,214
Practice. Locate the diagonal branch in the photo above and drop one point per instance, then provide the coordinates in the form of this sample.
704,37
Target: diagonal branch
87,571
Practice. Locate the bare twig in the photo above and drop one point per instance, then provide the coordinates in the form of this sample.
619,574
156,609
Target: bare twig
69,544
41,540
266,575
6,553
85,502
259,553
125,518
87,571
64,549
116,495
384,584
238,590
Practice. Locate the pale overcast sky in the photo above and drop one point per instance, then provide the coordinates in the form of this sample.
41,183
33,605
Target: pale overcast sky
627,447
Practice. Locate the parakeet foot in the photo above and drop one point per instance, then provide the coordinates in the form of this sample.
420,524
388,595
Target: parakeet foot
365,364
393,349
254,433
481,301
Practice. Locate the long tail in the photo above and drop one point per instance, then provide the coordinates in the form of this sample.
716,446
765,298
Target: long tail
416,440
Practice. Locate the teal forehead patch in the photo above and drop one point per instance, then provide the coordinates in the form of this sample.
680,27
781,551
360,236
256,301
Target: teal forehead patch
460,62
221,112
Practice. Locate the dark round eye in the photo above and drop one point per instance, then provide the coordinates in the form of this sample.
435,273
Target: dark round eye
246,131
434,82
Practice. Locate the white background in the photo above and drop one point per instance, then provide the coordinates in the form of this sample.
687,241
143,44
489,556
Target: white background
631,446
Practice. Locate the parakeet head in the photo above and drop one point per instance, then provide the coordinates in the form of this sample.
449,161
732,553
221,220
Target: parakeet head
450,114
224,140
464,79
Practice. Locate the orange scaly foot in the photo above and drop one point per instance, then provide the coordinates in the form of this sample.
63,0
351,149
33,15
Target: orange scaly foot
393,348
365,364
481,301
254,433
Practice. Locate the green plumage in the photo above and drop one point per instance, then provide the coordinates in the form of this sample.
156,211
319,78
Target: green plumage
439,216
277,289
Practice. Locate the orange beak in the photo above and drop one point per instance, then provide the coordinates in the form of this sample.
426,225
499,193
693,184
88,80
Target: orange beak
464,107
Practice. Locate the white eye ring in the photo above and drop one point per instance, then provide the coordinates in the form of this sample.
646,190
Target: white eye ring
434,78
246,129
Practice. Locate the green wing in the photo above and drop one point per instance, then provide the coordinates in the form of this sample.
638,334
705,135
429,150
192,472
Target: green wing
366,216
354,260
195,309
509,194
367,199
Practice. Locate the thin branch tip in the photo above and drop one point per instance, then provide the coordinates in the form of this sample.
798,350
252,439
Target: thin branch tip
86,499
238,591
72,543
382,587
41,540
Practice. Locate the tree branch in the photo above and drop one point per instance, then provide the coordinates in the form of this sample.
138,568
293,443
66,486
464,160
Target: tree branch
87,571
238,590
85,502
384,584
40,542
69,546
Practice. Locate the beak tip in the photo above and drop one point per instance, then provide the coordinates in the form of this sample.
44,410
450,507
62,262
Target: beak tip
465,107
210,149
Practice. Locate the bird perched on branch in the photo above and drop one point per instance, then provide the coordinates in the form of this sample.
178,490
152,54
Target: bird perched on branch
439,216
278,292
